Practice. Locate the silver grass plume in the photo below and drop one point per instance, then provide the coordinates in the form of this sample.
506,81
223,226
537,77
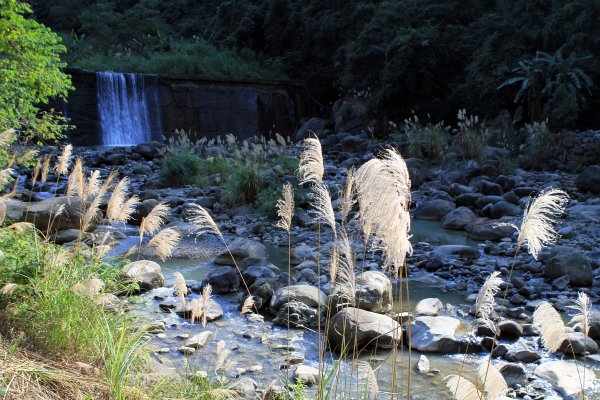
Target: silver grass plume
5,176
2,211
21,226
347,198
367,376
462,389
321,204
117,199
484,305
383,193
94,207
206,295
7,137
494,385
93,185
202,220
64,160
551,326
164,242
311,167
247,306
154,220
285,208
75,186
345,264
583,309
8,289
45,169
36,173
180,288
539,217
128,209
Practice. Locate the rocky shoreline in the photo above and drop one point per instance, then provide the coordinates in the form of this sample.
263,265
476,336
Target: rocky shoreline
470,197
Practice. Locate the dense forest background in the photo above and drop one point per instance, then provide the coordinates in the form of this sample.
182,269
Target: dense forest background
428,56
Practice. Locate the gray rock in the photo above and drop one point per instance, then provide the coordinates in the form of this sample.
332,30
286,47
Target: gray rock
434,334
373,292
214,310
199,340
186,351
565,377
145,273
309,295
352,326
306,374
564,260
451,252
241,248
297,315
312,126
504,208
224,279
577,343
257,273
510,329
589,179
434,210
522,355
429,306
44,214
15,210
514,374
458,218
489,230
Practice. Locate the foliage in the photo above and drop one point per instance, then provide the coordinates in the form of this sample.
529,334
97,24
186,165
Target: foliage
552,85
472,135
30,73
540,146
243,185
180,169
428,141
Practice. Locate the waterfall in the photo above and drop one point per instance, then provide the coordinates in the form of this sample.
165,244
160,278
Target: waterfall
126,108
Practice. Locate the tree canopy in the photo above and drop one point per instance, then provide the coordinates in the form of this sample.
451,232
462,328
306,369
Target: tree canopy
30,72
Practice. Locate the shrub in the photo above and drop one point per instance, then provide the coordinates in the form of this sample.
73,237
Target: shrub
242,185
541,144
471,136
429,142
180,169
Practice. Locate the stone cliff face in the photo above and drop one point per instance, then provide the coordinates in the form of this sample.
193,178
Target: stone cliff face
204,107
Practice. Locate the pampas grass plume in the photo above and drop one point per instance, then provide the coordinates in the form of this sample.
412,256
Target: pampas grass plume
285,208
462,389
494,384
551,326
484,305
180,288
322,208
581,318
153,221
164,242
64,160
311,167
202,220
539,217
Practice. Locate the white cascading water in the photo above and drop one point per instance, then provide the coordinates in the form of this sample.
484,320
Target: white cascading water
123,108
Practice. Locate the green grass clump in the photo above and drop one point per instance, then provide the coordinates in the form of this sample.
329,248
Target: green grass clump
180,169
243,184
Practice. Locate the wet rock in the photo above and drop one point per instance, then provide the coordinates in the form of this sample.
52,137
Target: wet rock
306,374
199,340
142,211
145,273
186,351
309,295
565,377
297,315
257,273
364,328
214,310
522,355
224,280
510,329
450,252
434,209
429,306
458,218
594,332
514,374
245,387
44,214
589,179
434,334
564,260
241,248
577,343
373,292
489,230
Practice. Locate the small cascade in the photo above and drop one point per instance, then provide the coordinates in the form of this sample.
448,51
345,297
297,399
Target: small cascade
127,108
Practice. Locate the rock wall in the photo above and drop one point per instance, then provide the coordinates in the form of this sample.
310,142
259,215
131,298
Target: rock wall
204,107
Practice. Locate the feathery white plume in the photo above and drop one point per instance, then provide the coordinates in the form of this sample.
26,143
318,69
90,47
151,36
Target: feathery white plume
322,208
164,242
551,326
311,162
494,384
484,305
583,309
202,220
462,389
64,160
285,208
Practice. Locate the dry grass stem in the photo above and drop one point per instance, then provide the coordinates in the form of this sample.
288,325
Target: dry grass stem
164,242
540,215
484,305
551,326
311,167
285,208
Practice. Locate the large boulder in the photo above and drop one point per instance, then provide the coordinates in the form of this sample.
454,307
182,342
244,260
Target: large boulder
306,374
430,306
309,295
578,343
241,248
14,210
224,280
564,260
458,218
434,334
355,327
434,209
373,292
589,179
145,273
566,377
213,310
59,213
504,208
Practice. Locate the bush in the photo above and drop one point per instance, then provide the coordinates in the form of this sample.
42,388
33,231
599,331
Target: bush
242,185
471,137
429,142
541,144
180,169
